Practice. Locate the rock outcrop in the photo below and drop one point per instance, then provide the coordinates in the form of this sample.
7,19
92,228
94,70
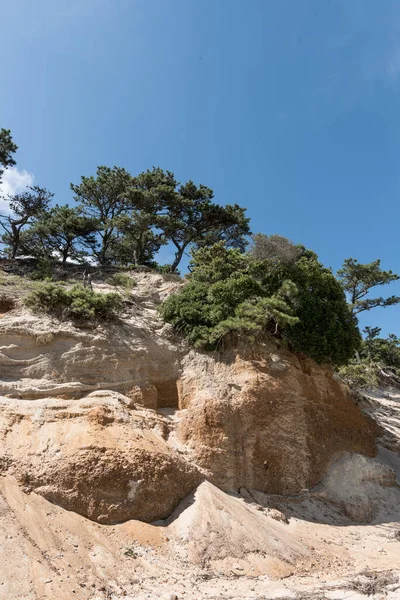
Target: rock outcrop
271,421
94,456
241,461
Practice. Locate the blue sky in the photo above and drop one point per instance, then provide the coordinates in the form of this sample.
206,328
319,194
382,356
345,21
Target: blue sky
290,108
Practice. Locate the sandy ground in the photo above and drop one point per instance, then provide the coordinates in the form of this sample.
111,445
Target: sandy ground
210,548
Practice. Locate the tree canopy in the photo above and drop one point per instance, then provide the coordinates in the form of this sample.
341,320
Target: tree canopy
274,248
137,215
230,295
235,290
62,231
25,209
327,329
359,279
104,198
7,149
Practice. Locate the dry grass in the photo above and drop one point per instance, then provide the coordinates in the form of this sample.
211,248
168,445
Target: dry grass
373,582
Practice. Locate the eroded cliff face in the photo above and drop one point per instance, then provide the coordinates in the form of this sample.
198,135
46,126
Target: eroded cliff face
268,421
95,456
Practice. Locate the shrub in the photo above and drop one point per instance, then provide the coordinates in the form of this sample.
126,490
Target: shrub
225,297
165,269
230,293
378,361
359,375
122,282
326,328
77,302
43,270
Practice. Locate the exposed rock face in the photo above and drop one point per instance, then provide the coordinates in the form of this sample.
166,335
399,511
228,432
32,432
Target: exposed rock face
95,457
42,357
272,422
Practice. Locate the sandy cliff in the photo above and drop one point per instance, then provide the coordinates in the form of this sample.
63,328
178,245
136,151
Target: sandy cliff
122,422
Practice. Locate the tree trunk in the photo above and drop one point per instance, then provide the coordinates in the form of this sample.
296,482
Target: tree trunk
15,241
177,259
65,254
105,242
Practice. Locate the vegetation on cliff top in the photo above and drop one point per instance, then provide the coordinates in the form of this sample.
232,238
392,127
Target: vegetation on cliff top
274,287
377,362
231,294
120,219
77,303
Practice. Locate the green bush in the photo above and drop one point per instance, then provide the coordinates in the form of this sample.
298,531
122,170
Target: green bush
376,355
231,294
122,282
77,302
382,351
326,328
359,375
43,270
165,269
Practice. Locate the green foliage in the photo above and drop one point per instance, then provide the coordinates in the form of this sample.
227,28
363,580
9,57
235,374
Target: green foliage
230,293
359,279
42,271
104,198
326,329
382,351
376,355
123,219
76,303
122,282
191,219
165,269
62,231
26,209
225,295
7,149
136,242
137,215
359,375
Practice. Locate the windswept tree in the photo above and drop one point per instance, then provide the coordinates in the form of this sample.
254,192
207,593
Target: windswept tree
190,218
139,214
105,198
359,279
140,235
25,209
62,231
136,242
7,149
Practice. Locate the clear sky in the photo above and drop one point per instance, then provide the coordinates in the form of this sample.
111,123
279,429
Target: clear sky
288,107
